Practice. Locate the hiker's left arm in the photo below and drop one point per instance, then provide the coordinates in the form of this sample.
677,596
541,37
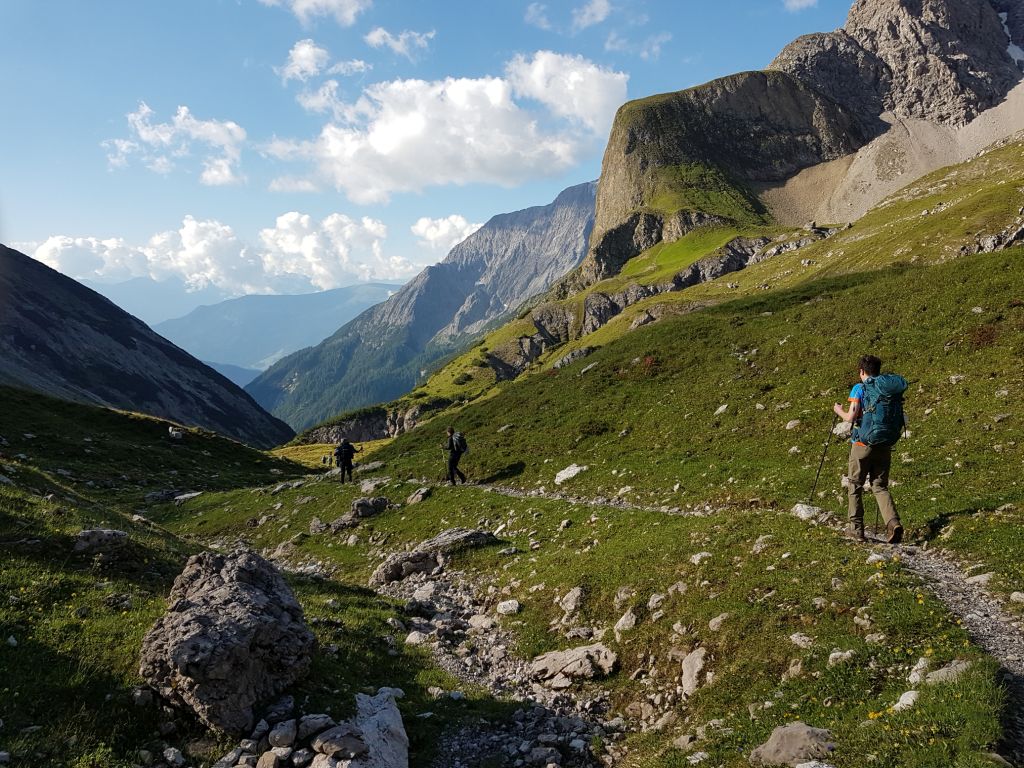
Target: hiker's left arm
849,414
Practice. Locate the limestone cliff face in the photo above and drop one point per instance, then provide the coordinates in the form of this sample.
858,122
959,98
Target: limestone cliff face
687,159
379,355
63,339
679,161
947,58
939,60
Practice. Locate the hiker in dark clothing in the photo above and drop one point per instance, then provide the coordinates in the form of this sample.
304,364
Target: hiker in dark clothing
343,456
876,411
455,445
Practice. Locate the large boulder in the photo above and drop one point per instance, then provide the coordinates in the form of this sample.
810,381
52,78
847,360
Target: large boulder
558,669
429,555
233,636
793,744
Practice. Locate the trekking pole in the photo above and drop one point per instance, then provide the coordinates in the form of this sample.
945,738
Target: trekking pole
874,532
835,419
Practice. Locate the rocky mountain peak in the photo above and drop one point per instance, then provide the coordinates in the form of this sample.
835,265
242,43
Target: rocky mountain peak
948,59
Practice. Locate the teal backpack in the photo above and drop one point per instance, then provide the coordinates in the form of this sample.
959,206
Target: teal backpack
882,419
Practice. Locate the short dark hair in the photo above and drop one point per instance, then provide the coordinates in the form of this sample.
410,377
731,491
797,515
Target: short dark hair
870,364
451,430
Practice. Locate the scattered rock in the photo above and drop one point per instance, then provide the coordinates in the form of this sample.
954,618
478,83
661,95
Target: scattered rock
693,666
700,557
509,607
716,623
420,494
559,668
840,657
806,512
569,473
906,701
572,601
233,635
793,744
426,558
949,673
800,640
100,540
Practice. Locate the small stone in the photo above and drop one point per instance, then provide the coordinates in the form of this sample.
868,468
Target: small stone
509,607
917,674
699,557
283,734
716,623
907,700
12,641
416,638
302,757
721,409
626,623
572,601
269,760
173,757
800,640
793,424
949,673
981,580
839,657
1017,597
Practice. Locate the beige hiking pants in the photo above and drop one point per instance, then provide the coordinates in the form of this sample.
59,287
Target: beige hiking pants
869,462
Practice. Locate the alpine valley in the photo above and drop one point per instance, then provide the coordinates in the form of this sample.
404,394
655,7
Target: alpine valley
648,564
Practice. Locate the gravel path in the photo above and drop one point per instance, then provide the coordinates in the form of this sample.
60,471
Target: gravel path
990,627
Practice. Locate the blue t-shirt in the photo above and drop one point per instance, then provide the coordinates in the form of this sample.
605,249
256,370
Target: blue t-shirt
856,395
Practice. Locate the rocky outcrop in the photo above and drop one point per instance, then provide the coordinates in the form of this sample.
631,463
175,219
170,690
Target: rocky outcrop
429,556
555,323
233,636
381,354
947,58
938,60
64,340
684,160
360,427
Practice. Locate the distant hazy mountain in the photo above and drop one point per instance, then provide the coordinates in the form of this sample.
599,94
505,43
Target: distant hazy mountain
63,339
378,356
155,301
237,374
257,331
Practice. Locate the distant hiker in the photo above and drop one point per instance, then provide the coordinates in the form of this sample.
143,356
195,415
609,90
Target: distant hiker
876,412
343,457
455,445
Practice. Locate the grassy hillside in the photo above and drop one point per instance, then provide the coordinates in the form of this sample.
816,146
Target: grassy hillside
929,222
77,621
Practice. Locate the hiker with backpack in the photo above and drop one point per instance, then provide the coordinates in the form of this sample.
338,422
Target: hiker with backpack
876,412
455,445
344,454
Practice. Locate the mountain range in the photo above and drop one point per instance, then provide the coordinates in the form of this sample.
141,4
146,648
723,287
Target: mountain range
63,339
254,332
384,351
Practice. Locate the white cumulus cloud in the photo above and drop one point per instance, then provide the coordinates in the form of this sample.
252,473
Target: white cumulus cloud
570,86
799,5
306,59
443,234
344,12
406,43
160,145
408,135
350,67
591,13
297,250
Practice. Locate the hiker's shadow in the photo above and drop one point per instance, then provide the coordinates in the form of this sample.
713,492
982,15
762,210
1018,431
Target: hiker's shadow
938,524
506,473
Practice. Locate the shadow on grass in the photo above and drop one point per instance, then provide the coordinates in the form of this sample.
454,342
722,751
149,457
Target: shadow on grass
506,473
934,528
1011,743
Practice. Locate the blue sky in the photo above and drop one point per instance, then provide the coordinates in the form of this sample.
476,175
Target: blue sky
288,145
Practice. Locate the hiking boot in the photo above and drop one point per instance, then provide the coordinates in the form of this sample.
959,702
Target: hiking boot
895,531
855,532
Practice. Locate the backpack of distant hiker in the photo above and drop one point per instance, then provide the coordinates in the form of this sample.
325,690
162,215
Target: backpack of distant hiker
882,419
459,441
345,452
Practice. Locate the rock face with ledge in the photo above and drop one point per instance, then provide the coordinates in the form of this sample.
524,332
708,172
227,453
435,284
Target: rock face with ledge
233,636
